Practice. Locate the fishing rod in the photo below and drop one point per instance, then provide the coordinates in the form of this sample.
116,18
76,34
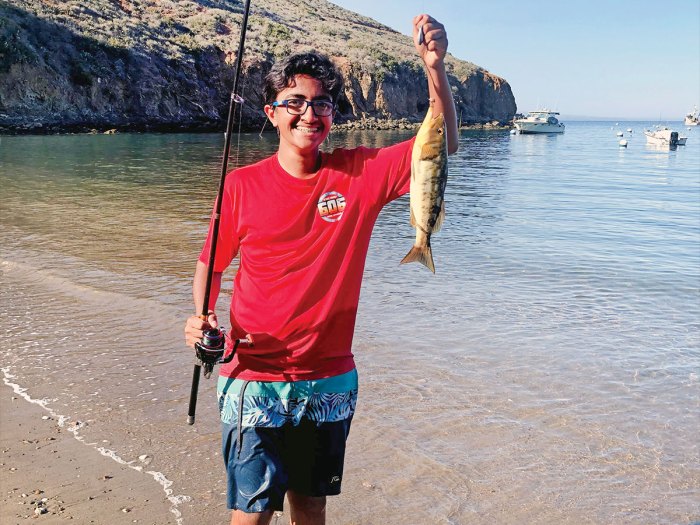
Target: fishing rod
210,350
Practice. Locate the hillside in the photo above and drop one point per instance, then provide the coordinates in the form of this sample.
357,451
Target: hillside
168,64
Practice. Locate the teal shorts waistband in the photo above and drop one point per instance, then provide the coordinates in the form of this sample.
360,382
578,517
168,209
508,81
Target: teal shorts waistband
289,389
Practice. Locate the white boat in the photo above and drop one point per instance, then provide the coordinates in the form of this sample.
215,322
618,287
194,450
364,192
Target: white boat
692,118
542,121
664,137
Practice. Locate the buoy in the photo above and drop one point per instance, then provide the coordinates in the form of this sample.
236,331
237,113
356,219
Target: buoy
623,143
629,130
513,132
620,134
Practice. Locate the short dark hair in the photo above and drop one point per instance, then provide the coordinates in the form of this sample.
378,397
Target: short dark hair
315,65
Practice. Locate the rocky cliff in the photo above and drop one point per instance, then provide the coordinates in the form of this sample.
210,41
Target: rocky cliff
168,64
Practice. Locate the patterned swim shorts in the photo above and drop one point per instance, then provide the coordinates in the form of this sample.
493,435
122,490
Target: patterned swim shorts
284,435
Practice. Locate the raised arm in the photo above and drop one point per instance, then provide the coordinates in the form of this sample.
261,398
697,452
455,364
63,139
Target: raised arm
432,48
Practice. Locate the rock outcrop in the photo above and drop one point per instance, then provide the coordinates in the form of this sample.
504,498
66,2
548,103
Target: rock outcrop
141,64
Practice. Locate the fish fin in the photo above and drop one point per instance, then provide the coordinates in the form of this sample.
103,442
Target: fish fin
413,219
440,218
421,254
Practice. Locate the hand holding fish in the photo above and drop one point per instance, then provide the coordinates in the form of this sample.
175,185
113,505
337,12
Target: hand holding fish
430,39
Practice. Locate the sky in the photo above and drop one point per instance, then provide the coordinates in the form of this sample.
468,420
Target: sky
617,59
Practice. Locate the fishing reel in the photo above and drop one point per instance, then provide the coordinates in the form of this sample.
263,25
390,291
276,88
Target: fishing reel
210,350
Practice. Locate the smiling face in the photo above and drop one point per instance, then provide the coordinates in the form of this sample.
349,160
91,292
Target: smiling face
301,134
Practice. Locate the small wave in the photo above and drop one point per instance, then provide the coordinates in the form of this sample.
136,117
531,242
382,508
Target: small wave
67,278
159,477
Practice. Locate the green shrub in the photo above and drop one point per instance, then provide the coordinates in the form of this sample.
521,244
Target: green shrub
13,47
277,31
387,62
80,75
187,41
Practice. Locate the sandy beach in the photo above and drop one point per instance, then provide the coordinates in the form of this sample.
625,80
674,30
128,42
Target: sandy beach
48,476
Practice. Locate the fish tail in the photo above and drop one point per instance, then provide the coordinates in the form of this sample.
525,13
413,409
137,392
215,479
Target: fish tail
421,254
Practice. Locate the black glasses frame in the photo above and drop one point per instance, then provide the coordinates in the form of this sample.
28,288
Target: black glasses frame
321,108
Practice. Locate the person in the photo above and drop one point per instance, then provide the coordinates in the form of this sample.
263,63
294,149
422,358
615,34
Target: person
301,221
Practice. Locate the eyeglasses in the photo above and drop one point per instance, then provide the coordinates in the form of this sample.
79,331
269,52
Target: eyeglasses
298,106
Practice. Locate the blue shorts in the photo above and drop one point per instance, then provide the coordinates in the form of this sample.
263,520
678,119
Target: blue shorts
279,435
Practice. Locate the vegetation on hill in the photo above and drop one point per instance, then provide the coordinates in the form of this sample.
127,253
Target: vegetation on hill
168,63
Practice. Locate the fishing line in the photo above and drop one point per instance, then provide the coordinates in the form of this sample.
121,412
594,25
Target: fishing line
260,135
241,103
240,123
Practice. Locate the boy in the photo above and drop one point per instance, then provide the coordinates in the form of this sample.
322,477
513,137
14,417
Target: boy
302,221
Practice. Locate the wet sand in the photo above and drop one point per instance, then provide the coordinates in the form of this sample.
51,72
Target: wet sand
48,476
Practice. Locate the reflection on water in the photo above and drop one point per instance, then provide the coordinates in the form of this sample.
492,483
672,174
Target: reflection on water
547,372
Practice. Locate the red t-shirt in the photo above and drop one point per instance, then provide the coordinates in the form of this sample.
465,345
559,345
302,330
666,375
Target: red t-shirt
303,244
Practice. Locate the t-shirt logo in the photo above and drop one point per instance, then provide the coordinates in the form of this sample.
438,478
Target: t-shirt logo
331,206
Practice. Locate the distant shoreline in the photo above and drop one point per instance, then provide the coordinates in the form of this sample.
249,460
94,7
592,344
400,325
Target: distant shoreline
367,124
370,123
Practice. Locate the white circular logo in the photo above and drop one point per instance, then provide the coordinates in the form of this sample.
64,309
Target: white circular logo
331,206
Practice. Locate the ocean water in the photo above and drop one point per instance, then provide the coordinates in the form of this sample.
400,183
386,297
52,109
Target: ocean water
547,373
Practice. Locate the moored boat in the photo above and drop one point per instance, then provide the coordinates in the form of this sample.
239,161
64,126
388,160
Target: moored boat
542,121
692,118
664,137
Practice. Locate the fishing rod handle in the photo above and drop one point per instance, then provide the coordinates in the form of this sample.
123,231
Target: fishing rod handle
193,393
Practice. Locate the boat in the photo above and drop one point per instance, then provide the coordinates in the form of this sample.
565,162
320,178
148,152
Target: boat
541,121
692,118
664,137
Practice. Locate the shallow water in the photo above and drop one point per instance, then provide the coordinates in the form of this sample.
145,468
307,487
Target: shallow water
548,373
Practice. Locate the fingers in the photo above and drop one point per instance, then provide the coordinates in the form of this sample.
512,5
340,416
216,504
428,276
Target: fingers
430,33
195,326
434,33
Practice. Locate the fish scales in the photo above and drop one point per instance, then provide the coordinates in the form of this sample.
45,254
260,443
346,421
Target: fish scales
428,182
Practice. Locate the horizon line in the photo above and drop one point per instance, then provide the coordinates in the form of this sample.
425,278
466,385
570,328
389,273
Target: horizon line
621,119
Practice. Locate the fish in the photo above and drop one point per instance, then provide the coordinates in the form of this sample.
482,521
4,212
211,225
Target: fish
428,182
